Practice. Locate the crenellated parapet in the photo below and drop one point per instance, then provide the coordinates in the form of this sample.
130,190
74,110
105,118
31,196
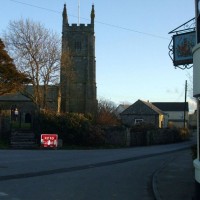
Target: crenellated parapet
80,27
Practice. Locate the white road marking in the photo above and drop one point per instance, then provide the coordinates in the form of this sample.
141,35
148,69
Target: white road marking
3,194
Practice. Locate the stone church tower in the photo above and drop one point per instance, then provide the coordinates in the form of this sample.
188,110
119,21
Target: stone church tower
78,67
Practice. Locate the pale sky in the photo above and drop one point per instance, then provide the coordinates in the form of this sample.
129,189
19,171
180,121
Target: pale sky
132,41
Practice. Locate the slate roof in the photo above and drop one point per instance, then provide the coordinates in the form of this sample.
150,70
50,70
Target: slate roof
133,109
122,107
14,97
171,106
153,107
52,95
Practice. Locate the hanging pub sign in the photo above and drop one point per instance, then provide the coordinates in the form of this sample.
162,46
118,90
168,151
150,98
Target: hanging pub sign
182,48
182,43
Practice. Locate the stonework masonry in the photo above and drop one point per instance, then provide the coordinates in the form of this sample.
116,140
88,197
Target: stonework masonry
78,67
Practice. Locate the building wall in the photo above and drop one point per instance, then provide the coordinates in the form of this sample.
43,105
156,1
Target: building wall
163,120
176,114
176,118
129,120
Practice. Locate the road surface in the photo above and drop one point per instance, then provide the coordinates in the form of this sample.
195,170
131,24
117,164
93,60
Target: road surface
83,174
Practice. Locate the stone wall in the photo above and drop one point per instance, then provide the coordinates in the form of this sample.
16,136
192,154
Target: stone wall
162,136
117,135
122,136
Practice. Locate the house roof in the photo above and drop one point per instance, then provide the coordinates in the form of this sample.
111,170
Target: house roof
121,108
153,107
134,109
171,106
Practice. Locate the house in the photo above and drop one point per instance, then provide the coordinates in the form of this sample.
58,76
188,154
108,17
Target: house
120,108
161,114
144,112
177,113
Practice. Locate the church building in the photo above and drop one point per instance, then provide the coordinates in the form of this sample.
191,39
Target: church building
77,89
78,66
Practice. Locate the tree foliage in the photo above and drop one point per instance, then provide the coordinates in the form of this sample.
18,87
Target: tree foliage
11,80
36,51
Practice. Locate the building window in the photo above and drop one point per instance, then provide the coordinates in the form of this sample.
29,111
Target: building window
138,121
78,46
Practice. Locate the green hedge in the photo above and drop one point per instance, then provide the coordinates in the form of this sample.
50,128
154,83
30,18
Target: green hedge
72,128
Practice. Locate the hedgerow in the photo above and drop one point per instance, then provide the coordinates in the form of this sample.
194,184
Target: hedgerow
72,128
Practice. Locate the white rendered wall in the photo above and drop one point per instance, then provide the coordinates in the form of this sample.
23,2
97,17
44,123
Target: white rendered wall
196,71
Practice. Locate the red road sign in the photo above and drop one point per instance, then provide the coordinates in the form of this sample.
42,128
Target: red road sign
49,140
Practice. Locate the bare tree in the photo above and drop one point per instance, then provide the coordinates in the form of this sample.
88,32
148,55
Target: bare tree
106,113
36,51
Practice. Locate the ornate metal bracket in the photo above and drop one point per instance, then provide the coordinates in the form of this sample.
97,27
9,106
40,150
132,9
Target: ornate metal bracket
187,27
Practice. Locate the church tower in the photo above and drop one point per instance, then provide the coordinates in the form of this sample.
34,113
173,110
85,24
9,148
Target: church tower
78,67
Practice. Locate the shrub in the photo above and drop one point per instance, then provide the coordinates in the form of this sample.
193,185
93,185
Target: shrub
72,128
184,133
142,127
4,144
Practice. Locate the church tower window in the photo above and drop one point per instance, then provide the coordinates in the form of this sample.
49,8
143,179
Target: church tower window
78,45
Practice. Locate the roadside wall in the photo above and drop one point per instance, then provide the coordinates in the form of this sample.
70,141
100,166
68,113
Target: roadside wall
117,135
123,136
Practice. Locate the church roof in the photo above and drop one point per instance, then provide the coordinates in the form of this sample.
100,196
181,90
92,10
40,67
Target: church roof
14,97
51,96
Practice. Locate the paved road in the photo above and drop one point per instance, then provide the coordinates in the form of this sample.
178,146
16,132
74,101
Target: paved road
82,174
